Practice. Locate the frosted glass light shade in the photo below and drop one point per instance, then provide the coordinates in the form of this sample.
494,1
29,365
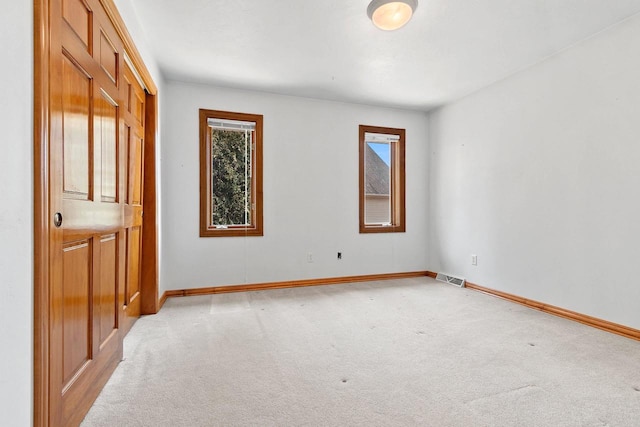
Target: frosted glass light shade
390,15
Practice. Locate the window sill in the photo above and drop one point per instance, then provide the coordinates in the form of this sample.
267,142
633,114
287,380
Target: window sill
230,232
382,229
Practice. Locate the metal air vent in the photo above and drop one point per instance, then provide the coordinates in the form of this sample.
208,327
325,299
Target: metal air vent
452,280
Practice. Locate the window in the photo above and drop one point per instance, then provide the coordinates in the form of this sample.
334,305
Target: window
230,174
382,194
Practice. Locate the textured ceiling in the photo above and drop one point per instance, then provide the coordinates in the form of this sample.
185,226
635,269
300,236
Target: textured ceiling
329,49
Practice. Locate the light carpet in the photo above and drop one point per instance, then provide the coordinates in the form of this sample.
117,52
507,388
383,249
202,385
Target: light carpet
390,353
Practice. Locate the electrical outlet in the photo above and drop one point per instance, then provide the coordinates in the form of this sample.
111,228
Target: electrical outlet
310,257
474,259
339,255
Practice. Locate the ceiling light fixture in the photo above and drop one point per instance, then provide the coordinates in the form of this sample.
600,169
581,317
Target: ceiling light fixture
390,15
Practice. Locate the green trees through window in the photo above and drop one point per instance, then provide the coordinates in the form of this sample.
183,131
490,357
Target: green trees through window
230,177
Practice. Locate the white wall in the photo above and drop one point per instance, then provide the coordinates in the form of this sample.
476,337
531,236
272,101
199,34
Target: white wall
16,215
310,192
539,175
129,15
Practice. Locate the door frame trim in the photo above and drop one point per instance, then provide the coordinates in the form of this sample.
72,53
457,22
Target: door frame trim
41,223
41,213
149,284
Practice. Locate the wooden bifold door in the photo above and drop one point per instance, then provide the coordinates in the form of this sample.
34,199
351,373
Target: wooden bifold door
94,181
133,144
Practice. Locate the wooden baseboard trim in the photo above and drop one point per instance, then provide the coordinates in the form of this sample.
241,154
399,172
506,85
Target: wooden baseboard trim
162,300
290,284
605,325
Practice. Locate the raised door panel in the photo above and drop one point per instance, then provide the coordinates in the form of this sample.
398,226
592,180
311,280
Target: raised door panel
106,121
76,309
136,170
135,239
127,89
108,57
137,105
126,148
79,17
105,295
76,138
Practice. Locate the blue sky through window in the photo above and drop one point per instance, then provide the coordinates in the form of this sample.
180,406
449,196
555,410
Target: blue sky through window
382,150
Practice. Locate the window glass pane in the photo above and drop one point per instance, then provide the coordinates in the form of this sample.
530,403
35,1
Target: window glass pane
231,196
377,200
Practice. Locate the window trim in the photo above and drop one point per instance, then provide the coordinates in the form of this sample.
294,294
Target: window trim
398,180
206,229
